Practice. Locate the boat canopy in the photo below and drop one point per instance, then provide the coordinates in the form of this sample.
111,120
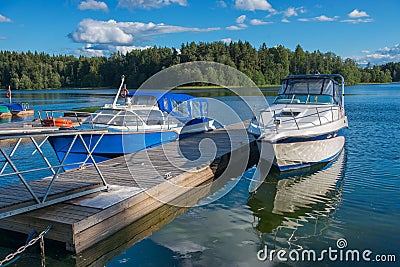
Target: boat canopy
305,89
14,107
184,107
4,109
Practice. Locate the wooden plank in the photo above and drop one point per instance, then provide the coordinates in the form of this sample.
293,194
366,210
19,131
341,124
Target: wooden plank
136,200
105,250
110,225
104,200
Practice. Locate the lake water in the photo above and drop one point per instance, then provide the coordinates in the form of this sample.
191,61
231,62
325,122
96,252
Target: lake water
355,199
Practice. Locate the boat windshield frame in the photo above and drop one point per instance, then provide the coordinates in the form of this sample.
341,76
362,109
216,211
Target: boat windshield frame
311,89
126,118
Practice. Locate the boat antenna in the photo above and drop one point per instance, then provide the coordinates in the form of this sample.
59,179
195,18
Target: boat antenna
119,91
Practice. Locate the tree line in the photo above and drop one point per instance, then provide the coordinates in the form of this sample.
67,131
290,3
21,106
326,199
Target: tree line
265,65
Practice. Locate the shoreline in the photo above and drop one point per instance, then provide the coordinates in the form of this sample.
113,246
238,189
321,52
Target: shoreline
183,87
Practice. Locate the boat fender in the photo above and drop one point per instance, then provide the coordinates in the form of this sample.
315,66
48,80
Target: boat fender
124,92
63,123
59,122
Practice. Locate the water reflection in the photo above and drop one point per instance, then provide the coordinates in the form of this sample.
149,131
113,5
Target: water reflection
297,205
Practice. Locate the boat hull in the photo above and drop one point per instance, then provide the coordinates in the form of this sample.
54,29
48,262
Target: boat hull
296,153
111,145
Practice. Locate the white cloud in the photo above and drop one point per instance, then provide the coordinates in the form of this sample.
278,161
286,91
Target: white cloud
290,12
356,21
91,50
94,31
222,4
357,14
148,4
325,18
234,28
4,19
93,5
241,19
259,22
381,56
285,21
253,5
240,24
321,18
124,33
226,40
88,51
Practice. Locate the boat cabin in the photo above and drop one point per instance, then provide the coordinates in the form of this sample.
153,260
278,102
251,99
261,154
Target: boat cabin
310,89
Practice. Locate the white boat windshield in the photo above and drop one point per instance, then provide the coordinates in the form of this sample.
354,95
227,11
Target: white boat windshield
114,117
143,100
309,91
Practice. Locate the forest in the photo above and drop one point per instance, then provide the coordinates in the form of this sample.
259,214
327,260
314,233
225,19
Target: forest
265,65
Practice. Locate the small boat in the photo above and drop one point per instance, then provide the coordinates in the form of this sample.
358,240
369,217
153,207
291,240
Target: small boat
5,113
19,109
146,119
305,124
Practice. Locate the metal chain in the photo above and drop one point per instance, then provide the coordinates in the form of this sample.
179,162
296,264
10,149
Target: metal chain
23,248
43,256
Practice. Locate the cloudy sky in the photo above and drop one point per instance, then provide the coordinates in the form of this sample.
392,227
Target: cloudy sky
364,30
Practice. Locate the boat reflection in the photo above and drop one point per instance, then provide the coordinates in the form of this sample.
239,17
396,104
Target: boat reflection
284,204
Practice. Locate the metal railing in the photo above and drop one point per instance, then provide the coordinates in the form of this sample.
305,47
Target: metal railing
25,148
119,119
278,119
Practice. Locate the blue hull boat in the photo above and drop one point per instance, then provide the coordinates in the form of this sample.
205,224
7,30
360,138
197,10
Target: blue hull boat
146,120
111,145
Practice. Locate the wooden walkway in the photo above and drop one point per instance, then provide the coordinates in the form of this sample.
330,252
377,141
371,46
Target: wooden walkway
176,174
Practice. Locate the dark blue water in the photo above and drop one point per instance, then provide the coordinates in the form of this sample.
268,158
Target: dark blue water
355,198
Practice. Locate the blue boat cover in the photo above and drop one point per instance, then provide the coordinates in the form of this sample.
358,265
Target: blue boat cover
13,107
160,98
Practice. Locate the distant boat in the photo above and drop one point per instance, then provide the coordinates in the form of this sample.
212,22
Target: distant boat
305,123
17,109
147,119
5,113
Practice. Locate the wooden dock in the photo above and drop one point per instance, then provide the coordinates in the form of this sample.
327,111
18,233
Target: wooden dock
167,179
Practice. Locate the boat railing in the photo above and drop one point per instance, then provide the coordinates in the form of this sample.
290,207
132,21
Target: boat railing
26,158
134,120
330,114
95,120
76,117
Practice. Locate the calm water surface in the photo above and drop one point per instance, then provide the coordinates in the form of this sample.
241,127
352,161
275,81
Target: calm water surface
355,198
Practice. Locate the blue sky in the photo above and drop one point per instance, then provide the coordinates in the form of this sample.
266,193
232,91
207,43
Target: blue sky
364,30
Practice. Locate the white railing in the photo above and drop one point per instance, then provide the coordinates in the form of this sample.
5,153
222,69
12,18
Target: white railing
299,121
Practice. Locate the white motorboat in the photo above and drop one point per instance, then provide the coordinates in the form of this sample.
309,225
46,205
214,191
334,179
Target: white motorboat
305,123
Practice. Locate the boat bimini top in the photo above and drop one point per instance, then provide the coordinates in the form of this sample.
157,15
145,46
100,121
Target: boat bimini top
182,106
311,89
